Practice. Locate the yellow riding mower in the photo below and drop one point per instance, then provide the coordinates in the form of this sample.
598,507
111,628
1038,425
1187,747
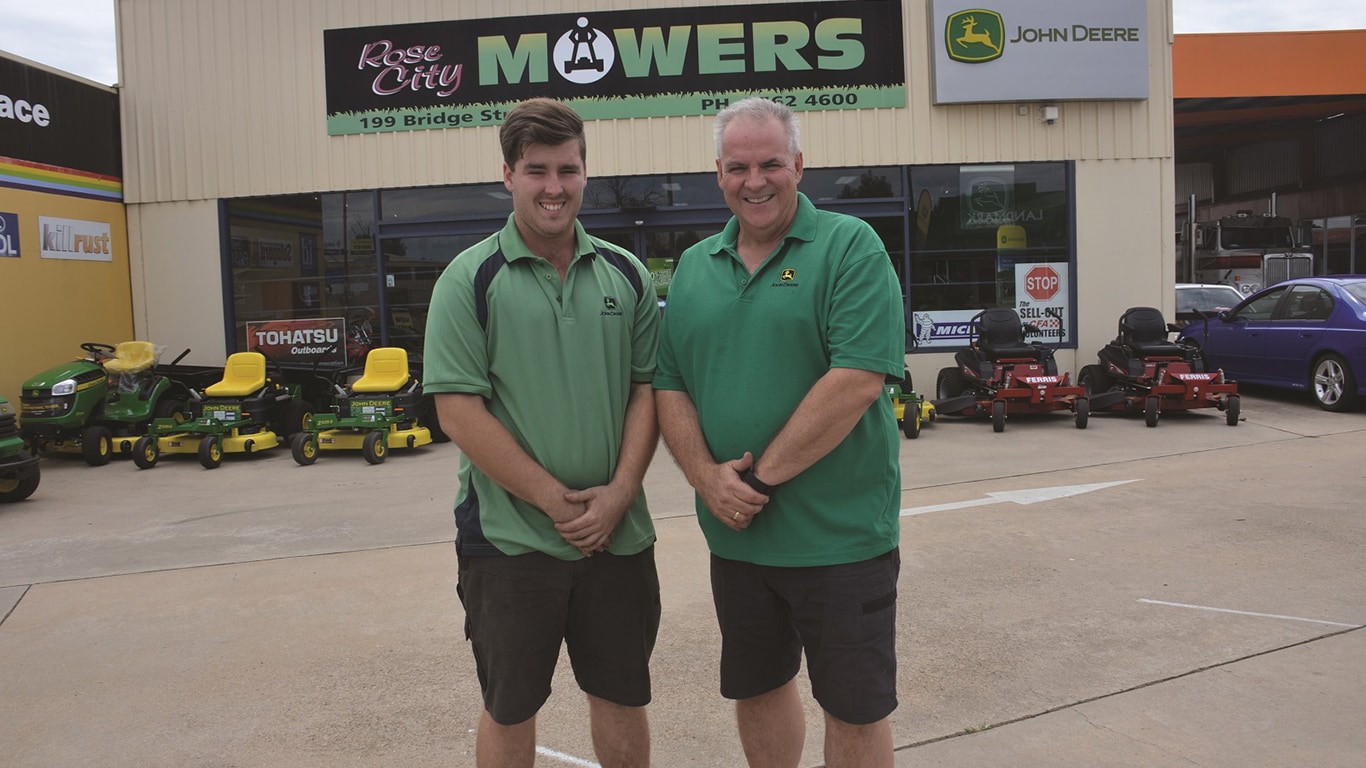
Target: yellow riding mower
246,412
379,411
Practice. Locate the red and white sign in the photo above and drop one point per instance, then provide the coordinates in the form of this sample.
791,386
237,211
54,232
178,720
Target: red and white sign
1041,282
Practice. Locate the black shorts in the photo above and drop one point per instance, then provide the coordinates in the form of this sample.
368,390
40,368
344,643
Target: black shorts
518,610
844,616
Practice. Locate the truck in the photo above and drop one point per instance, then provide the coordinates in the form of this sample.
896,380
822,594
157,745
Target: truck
1249,251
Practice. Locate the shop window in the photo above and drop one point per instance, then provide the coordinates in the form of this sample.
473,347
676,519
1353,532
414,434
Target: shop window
979,231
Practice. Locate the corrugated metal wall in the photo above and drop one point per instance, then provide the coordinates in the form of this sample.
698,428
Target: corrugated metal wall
225,98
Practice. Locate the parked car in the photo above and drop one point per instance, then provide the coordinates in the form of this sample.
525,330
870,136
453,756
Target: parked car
1197,300
1303,334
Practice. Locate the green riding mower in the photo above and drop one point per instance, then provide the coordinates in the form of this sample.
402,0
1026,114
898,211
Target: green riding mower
379,411
247,411
912,410
18,468
98,405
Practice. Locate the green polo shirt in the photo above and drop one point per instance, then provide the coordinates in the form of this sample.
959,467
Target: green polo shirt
747,349
554,362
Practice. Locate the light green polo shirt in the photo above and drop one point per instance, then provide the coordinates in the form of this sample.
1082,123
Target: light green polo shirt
747,349
554,362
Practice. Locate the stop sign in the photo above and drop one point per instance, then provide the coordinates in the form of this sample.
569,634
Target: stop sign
1041,282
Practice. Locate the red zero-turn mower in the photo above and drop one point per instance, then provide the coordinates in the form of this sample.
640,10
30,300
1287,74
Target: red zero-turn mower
999,373
1142,372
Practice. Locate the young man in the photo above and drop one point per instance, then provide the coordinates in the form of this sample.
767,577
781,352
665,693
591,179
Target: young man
540,347
779,335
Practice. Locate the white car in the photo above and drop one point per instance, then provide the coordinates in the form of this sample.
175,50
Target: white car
1195,300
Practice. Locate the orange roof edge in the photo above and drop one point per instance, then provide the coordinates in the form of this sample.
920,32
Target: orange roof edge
1318,63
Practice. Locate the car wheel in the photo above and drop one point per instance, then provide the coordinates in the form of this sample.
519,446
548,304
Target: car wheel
1333,384
97,445
998,416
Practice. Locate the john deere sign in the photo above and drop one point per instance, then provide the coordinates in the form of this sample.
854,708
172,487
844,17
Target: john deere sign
616,64
1024,50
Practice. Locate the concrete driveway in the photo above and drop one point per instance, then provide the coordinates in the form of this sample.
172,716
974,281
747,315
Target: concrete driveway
1190,594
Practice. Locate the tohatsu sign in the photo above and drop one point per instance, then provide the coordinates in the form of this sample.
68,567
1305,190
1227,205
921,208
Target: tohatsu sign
846,54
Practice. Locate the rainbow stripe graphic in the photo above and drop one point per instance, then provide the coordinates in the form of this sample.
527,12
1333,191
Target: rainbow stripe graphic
40,177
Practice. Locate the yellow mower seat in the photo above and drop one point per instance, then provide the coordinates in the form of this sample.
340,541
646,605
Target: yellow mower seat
243,375
386,370
132,357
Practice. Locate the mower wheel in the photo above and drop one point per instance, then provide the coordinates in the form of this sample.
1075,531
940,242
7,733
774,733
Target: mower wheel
211,451
1082,407
910,424
15,488
1232,408
304,447
297,415
97,445
375,448
1094,379
170,408
998,416
950,383
1150,412
146,451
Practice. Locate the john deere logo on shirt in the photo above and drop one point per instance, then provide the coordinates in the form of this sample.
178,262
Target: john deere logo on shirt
786,279
610,306
789,275
974,36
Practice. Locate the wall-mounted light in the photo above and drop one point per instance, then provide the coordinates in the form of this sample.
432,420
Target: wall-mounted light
1048,114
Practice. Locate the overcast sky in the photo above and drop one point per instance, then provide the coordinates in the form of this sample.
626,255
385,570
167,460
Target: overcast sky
77,36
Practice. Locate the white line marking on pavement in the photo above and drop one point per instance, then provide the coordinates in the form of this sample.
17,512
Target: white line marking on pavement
1026,497
565,758
1248,613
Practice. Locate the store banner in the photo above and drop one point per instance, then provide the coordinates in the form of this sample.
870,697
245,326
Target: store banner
661,62
1042,298
75,239
55,120
313,341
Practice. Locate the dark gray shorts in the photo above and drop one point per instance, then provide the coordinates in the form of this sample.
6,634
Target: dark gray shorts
844,616
518,610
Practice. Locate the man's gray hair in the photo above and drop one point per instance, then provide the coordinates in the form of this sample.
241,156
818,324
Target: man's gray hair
756,108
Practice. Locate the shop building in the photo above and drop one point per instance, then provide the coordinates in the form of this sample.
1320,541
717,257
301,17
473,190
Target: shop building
64,269
311,161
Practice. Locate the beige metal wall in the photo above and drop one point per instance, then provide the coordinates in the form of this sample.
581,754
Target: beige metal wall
225,98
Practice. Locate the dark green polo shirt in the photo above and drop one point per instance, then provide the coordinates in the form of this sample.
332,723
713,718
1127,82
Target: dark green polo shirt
554,362
747,349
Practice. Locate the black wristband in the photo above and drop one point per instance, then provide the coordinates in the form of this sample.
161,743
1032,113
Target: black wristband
749,478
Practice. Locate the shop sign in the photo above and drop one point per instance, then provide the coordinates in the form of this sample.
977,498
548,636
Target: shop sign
1041,287
9,234
1024,50
55,120
846,54
275,254
75,239
320,340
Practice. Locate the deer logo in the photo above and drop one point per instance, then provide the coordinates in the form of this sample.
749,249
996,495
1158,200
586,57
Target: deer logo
974,36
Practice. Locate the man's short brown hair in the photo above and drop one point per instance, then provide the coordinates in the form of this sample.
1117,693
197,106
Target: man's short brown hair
540,121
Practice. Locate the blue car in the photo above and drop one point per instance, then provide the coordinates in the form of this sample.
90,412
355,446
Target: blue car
1302,334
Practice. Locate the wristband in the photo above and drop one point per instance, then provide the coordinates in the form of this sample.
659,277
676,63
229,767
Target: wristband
749,478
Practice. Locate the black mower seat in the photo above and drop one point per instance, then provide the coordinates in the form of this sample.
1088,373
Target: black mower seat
1001,336
1143,330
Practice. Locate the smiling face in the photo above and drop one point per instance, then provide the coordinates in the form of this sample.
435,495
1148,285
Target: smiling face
547,186
758,173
